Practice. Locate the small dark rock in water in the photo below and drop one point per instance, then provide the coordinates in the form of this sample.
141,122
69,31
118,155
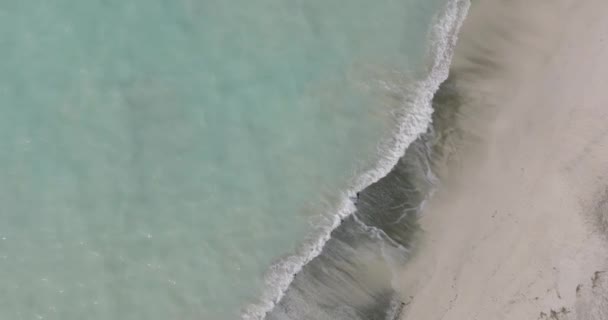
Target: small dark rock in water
355,199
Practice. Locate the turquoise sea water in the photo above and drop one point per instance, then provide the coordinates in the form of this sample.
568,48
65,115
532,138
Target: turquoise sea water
157,157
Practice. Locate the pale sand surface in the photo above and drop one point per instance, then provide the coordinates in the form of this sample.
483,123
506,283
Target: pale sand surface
520,226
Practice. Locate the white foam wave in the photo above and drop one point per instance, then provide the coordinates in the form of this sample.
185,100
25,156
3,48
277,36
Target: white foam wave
412,124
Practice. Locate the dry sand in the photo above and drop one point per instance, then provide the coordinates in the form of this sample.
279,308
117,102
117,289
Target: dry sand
519,229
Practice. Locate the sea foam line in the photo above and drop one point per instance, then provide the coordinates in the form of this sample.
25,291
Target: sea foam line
412,124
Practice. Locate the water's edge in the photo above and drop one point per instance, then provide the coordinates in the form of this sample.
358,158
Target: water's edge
347,272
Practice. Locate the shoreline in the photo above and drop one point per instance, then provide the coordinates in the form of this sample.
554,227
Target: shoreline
412,126
518,229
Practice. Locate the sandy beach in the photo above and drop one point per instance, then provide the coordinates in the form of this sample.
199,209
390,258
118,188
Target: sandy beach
519,227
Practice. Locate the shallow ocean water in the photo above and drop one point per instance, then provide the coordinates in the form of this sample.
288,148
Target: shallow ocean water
157,157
